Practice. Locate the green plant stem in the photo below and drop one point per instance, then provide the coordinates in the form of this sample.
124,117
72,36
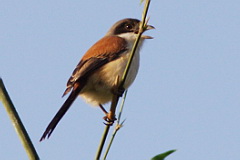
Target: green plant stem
117,127
100,147
112,117
110,144
16,121
142,29
119,85
121,108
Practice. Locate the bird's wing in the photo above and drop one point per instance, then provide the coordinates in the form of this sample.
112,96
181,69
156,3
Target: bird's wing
105,50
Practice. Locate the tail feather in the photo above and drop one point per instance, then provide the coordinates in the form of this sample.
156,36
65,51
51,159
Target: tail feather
61,113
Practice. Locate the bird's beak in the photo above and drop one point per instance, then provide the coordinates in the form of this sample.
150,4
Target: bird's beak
148,28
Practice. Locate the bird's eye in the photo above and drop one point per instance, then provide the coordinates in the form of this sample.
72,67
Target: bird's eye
128,26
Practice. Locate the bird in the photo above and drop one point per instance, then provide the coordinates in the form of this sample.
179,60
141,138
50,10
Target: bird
95,75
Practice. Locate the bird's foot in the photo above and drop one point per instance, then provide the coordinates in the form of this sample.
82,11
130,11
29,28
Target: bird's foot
109,119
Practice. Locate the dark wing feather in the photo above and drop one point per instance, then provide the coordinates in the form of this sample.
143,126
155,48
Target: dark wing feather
83,70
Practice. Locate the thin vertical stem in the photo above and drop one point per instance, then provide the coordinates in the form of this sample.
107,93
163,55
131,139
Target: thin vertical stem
117,127
100,147
120,83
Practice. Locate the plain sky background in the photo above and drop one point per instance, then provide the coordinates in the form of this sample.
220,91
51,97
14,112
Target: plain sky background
186,95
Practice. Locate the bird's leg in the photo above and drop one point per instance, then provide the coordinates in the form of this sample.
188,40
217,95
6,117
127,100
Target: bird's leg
109,118
103,109
117,90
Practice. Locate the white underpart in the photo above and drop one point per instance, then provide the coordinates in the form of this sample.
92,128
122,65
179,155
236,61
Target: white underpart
98,89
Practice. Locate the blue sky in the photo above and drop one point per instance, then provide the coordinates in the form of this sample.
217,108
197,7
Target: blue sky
186,95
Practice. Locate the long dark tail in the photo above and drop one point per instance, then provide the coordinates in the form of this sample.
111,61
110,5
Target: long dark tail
61,113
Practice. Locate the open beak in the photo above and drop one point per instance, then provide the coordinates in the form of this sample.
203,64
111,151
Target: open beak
148,28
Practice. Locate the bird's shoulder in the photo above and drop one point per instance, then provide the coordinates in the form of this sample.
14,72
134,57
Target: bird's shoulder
106,46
